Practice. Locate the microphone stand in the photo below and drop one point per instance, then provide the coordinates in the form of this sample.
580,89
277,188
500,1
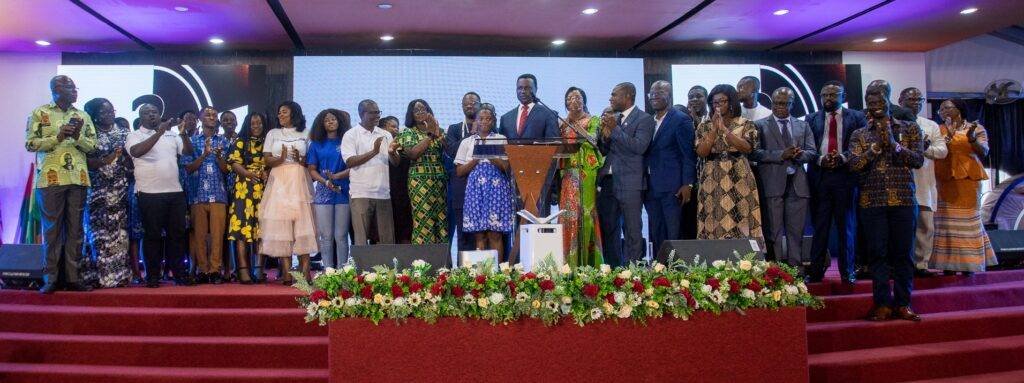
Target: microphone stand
579,131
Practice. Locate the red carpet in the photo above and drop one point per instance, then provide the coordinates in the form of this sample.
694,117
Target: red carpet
972,331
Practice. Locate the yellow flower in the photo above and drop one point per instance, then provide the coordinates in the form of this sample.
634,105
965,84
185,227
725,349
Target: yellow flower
777,295
483,302
608,308
324,303
378,299
536,304
652,304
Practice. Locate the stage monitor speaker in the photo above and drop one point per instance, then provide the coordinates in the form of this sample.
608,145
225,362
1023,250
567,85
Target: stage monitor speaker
366,257
1008,245
710,250
21,266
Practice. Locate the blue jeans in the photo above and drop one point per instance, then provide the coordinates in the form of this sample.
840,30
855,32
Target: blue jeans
332,222
889,234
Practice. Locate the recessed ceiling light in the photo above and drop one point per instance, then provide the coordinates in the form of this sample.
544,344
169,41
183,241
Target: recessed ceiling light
780,12
42,43
181,9
384,6
968,11
590,11
558,42
387,37
879,40
719,42
216,41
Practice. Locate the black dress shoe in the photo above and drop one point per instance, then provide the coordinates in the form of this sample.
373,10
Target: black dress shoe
879,313
923,273
48,288
906,313
78,286
216,279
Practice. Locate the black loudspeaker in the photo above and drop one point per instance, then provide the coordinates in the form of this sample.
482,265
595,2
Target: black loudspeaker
709,250
21,266
366,257
1008,245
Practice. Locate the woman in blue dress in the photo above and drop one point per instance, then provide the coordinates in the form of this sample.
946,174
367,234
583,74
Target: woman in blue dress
488,212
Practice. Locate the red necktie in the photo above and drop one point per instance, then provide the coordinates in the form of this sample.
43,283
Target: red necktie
833,132
522,120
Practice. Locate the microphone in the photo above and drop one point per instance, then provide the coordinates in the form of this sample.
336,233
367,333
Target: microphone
579,131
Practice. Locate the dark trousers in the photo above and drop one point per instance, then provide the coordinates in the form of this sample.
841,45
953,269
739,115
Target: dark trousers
890,233
61,208
163,213
663,218
688,222
620,214
465,240
833,206
611,222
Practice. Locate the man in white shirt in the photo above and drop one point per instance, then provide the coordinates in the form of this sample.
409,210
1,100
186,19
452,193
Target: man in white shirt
924,179
162,203
749,88
367,150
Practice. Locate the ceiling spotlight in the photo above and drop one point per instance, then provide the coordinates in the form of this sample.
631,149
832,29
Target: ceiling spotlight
780,12
879,40
387,37
590,11
968,11
558,42
216,41
181,9
719,42
42,43
384,6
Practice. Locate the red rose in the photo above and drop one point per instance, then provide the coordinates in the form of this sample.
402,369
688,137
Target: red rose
610,298
404,279
481,279
734,287
366,292
662,282
345,294
396,291
442,278
638,287
689,297
437,289
529,275
458,291
359,278
547,285
511,288
754,285
713,282
415,287
787,277
318,295
618,282
772,273
590,290
475,293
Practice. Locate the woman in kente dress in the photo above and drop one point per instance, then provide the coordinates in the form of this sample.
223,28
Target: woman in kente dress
578,198
423,144
106,218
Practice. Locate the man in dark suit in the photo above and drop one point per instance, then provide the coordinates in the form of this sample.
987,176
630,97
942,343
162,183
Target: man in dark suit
529,119
457,185
833,186
786,145
625,136
670,162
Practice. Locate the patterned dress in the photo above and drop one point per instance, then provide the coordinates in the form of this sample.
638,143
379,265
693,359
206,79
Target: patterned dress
728,203
106,217
243,222
582,240
961,243
488,205
427,189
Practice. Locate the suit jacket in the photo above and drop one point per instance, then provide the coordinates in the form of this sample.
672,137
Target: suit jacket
456,185
624,151
541,122
772,168
841,177
671,161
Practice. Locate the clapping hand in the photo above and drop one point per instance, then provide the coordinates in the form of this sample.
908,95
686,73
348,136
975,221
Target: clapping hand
971,135
607,123
376,144
394,148
110,158
295,154
791,152
167,124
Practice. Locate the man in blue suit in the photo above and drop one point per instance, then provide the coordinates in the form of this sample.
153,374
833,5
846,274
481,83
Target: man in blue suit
625,136
786,144
671,165
529,119
833,186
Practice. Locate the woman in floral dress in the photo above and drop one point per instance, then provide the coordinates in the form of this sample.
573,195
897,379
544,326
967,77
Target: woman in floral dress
423,144
246,160
106,218
578,198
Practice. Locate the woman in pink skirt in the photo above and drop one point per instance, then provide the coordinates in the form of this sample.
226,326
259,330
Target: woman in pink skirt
285,213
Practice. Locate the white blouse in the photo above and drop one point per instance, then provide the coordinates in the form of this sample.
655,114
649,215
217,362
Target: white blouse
277,139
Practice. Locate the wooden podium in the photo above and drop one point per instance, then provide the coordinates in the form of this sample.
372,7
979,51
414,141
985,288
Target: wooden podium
531,163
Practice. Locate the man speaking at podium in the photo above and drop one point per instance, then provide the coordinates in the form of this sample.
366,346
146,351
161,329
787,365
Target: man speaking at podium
531,120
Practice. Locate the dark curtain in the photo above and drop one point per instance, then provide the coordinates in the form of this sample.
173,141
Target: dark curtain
1005,126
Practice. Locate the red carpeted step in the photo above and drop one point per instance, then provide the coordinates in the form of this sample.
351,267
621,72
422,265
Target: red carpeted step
148,321
1015,376
54,373
165,351
833,286
204,296
938,327
919,361
852,307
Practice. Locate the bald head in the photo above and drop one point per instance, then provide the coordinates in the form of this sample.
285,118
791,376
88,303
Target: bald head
63,90
660,96
782,102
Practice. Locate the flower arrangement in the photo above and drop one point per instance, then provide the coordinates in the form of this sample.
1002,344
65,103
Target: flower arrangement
552,293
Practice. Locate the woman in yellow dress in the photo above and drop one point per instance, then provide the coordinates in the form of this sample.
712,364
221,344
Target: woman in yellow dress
246,160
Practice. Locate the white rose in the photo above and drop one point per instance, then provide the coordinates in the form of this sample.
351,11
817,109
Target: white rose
418,263
518,267
706,289
685,283
625,311
565,269
792,290
504,267
351,302
658,267
330,271
605,269
746,265
747,293
347,268
399,301
718,264
370,277
497,298
625,274
802,287
619,297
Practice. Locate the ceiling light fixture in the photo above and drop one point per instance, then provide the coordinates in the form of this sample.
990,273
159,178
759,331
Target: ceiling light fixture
780,12
558,42
879,40
719,42
216,41
384,6
181,9
590,11
42,43
967,11
387,37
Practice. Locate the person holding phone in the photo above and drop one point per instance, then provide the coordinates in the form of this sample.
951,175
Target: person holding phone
423,144
56,132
